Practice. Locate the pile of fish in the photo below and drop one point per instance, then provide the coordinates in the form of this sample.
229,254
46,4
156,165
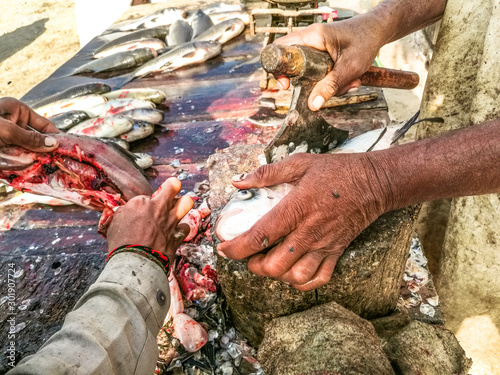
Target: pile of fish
166,40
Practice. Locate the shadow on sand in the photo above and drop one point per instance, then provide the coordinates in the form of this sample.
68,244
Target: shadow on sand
16,40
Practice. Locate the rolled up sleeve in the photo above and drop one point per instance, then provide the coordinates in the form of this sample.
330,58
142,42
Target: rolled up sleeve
113,328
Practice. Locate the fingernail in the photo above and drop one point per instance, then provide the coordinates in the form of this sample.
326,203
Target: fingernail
318,102
222,254
280,85
239,177
353,89
49,141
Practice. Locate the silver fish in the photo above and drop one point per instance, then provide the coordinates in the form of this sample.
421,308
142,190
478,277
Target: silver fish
118,61
116,106
107,127
154,116
140,130
220,17
93,88
221,7
180,32
200,23
223,32
162,17
67,120
156,96
79,103
155,32
131,45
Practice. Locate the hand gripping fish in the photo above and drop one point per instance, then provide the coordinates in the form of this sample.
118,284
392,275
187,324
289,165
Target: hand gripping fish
81,170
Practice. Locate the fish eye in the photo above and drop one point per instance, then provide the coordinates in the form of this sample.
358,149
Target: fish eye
244,194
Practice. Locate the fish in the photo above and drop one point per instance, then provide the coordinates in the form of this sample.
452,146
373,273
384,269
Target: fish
223,16
152,43
185,54
93,88
246,207
82,103
200,23
67,120
155,96
223,32
143,160
118,61
180,32
155,32
140,130
82,170
116,106
222,7
154,116
163,17
107,127
118,142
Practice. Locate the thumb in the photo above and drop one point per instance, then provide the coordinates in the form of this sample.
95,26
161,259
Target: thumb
325,89
12,134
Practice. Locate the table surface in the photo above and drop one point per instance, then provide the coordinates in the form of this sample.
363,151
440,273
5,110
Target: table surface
57,252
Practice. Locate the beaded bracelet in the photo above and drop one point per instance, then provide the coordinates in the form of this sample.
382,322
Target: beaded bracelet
154,255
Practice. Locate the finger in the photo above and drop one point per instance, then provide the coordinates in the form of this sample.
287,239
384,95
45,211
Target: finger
287,170
350,87
322,275
304,269
41,124
167,191
277,223
182,207
11,134
20,114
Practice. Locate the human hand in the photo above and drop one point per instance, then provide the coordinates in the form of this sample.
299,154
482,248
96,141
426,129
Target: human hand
353,45
152,221
334,198
15,117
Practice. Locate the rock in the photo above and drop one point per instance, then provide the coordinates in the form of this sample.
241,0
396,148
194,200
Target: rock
326,339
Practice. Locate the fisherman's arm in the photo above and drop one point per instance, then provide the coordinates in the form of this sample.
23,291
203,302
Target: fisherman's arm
336,196
15,118
113,327
354,43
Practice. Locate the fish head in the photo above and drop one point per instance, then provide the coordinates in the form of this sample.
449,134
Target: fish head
82,170
245,207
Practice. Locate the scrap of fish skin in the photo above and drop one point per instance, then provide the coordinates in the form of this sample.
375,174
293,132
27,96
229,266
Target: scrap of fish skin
223,32
152,43
153,95
180,32
118,61
79,103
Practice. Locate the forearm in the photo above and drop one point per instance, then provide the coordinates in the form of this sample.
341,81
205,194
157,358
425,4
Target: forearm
460,163
113,328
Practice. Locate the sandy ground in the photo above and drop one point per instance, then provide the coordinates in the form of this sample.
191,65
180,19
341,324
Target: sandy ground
36,37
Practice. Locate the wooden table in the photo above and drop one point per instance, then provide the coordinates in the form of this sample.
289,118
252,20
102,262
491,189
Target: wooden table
56,251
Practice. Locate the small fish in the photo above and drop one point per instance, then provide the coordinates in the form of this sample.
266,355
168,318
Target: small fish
94,88
140,130
220,17
185,54
117,142
163,17
222,7
143,160
67,120
118,61
155,96
223,32
107,127
154,116
180,32
155,32
200,23
79,103
131,45
116,106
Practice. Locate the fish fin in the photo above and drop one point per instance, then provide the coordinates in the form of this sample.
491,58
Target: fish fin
382,133
413,121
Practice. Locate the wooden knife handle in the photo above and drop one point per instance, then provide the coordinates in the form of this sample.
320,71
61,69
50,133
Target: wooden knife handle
302,61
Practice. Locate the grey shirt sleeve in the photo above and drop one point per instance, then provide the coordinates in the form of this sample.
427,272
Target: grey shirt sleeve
113,327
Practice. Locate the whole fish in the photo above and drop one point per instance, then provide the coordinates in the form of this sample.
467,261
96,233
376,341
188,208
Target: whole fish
223,32
155,96
140,130
154,116
223,16
79,103
185,54
67,120
155,32
221,7
180,32
94,88
118,61
107,127
200,23
81,170
152,43
116,106
162,17
246,207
